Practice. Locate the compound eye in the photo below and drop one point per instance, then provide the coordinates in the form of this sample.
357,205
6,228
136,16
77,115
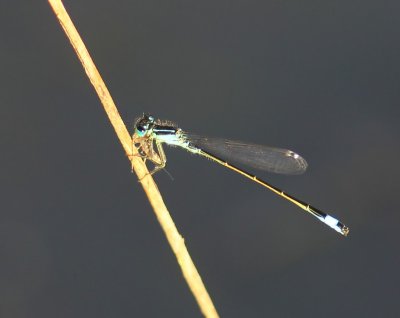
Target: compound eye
141,130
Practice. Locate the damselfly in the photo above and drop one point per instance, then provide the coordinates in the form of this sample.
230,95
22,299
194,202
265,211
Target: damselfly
150,134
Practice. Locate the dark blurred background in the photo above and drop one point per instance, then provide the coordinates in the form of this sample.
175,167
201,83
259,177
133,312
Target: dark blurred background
77,235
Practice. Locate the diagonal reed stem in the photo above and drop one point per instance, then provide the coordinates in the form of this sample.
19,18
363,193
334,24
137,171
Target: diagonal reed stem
176,241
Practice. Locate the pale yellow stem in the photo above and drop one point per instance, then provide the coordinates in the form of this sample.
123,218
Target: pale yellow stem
174,238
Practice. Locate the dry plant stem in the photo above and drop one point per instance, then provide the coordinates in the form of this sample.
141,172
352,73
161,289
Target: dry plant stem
174,238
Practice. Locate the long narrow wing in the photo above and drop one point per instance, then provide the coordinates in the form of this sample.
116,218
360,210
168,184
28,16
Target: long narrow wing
265,158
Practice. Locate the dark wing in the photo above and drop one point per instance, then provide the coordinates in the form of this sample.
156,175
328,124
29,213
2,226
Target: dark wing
265,158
